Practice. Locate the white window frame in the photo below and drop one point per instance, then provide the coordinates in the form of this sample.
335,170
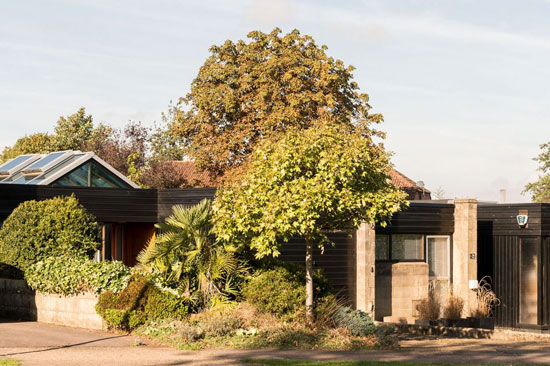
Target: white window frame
448,237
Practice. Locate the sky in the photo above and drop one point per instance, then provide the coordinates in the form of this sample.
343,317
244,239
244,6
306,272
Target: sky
464,85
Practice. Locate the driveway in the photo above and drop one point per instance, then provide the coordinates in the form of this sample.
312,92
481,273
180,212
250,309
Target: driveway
44,344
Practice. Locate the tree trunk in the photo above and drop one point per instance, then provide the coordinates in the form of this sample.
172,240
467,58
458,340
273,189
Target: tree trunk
309,280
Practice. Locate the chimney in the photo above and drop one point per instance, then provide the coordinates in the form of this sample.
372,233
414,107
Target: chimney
502,196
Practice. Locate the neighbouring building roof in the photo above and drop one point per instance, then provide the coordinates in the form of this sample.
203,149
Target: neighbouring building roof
414,191
196,177
63,169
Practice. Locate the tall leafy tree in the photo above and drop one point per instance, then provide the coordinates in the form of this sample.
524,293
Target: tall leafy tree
540,190
323,178
73,131
249,91
37,143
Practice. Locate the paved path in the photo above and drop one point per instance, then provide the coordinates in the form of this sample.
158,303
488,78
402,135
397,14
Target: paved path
43,344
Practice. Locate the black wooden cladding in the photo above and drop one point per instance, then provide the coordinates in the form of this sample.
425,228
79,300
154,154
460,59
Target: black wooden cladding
506,279
167,198
504,218
108,205
421,218
337,262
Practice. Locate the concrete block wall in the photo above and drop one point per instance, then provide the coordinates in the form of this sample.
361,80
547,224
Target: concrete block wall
399,286
17,301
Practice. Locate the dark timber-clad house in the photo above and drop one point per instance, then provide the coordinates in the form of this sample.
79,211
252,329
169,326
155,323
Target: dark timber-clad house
382,270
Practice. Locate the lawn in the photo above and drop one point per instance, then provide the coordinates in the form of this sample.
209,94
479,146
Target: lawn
9,363
279,362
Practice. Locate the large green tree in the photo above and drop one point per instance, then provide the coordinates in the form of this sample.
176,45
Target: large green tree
540,190
323,178
73,131
248,91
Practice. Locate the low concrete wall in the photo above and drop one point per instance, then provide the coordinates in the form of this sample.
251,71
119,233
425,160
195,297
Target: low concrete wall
17,301
399,286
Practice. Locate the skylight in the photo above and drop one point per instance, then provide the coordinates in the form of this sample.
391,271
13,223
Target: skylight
44,163
62,168
15,164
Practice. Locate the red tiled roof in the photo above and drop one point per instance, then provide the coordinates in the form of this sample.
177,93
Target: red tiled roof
404,182
199,178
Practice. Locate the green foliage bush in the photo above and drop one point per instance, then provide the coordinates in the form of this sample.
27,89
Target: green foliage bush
357,322
59,227
140,302
281,290
73,275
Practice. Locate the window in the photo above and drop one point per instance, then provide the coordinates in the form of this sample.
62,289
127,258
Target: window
399,247
382,247
90,175
439,256
406,247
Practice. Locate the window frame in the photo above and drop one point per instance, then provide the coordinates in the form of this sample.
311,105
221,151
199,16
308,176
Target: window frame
390,241
449,261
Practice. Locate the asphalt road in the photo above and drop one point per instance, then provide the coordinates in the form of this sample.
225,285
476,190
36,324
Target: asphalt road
44,344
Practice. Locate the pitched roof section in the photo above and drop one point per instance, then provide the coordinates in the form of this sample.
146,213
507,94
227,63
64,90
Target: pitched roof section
401,181
199,178
47,169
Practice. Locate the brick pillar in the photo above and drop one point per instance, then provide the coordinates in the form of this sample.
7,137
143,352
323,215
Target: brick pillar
365,259
465,251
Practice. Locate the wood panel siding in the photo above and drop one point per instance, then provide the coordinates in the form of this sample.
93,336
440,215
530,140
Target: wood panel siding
421,218
108,205
167,198
337,262
506,279
504,218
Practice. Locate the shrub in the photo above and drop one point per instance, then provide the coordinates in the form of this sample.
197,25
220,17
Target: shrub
58,227
357,322
276,291
453,307
140,302
73,275
430,307
281,290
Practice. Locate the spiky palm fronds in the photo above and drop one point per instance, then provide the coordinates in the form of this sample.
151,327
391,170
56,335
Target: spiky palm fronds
186,256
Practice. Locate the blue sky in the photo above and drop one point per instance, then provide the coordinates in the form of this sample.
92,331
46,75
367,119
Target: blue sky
464,85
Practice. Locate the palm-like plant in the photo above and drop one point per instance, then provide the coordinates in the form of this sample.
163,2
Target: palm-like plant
185,255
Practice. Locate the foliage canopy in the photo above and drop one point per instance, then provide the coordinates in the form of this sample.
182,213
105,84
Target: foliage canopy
247,92
309,181
540,190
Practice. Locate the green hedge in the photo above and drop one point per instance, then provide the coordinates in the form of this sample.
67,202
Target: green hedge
73,275
140,302
59,227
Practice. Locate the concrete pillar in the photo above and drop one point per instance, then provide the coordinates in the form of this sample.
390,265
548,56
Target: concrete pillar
365,260
465,251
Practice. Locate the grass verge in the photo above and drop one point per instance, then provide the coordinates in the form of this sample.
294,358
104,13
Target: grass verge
279,362
10,363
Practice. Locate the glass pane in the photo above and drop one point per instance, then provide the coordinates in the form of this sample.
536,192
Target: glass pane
45,160
406,247
101,177
76,178
15,162
438,257
529,281
382,247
